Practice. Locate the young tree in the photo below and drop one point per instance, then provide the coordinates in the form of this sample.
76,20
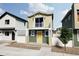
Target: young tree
65,36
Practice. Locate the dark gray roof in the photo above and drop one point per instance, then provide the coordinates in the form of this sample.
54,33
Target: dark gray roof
68,13
18,18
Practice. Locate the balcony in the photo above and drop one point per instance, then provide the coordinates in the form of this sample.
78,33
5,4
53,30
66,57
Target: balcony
39,25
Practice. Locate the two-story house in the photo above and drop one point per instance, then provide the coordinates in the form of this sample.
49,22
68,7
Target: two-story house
71,21
40,28
12,28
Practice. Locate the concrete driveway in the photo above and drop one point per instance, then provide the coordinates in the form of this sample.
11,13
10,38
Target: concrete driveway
44,51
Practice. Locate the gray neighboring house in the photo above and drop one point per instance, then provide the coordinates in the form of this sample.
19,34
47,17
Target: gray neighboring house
13,28
71,21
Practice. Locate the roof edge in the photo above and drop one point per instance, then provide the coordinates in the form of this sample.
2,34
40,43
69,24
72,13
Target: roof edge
40,13
67,14
12,15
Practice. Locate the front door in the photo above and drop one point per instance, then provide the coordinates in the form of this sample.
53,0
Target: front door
13,36
39,37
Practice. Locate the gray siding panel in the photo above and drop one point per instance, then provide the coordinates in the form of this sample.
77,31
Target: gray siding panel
32,39
76,42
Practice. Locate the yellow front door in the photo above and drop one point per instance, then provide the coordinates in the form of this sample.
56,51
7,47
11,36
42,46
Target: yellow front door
39,37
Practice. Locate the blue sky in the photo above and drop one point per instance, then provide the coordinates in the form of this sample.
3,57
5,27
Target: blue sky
24,9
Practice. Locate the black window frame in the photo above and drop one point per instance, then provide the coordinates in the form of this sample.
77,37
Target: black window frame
7,21
6,33
32,33
46,33
39,22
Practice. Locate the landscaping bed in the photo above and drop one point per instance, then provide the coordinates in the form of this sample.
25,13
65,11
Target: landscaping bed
69,50
22,45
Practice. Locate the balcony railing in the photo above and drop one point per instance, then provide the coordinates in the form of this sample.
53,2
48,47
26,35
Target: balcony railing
39,25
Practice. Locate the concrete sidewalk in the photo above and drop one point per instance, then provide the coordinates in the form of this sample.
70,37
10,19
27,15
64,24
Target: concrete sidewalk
44,51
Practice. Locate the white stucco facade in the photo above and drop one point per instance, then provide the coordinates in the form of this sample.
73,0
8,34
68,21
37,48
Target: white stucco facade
16,28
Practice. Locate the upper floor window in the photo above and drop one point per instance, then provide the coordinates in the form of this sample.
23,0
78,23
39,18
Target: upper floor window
78,15
39,22
69,17
7,21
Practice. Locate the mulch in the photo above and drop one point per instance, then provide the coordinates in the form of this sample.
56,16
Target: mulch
69,50
22,45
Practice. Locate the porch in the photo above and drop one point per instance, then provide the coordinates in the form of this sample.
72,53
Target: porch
7,34
39,36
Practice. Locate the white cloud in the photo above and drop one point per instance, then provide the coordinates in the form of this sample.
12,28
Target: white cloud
23,12
40,7
36,7
1,11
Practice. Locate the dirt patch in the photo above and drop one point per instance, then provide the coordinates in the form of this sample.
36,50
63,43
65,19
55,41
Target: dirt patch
5,41
22,45
69,50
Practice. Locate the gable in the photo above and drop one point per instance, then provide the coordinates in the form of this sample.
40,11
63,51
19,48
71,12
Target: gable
17,18
7,17
39,13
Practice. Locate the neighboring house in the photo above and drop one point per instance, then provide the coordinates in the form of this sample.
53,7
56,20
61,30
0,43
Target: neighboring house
12,28
71,21
40,28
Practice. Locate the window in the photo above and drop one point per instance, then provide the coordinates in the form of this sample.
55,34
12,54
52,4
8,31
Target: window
39,22
78,15
6,33
46,33
32,33
7,21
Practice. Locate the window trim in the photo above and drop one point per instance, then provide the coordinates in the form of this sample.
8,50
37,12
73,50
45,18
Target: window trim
77,15
6,33
32,33
39,22
46,35
7,21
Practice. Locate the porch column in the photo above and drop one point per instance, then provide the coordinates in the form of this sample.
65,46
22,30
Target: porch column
50,37
27,36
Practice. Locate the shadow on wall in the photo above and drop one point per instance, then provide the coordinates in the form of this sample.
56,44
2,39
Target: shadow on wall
56,41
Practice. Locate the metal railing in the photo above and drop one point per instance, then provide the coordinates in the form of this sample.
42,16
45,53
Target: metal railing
39,25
